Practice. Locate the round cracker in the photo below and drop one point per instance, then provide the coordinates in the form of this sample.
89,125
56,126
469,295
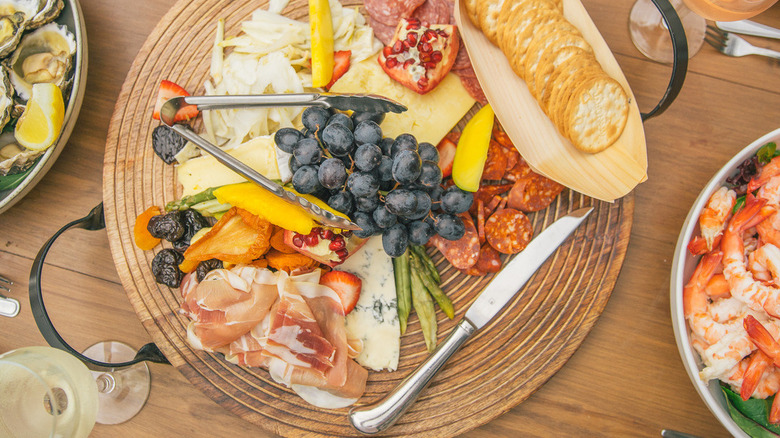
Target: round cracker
559,75
546,35
487,13
554,55
471,11
598,114
520,26
560,97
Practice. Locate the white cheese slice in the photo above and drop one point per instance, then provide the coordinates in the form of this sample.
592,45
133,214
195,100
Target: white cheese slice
375,318
198,174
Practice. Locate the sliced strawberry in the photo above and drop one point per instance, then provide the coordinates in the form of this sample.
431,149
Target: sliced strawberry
420,55
446,149
340,67
346,285
169,90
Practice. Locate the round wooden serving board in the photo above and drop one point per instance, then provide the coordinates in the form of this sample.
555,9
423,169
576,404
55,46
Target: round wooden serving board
500,367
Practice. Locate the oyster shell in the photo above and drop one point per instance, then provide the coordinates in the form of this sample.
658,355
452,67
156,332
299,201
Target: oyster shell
15,158
14,17
45,55
7,103
48,10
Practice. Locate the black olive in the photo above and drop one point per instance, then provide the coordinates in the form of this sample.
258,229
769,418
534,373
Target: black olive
165,267
192,221
167,143
168,226
206,267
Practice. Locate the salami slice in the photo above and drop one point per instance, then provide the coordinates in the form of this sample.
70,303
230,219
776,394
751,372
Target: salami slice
389,12
471,84
474,270
519,171
486,193
534,192
382,31
495,163
489,259
508,231
464,252
434,12
481,221
462,60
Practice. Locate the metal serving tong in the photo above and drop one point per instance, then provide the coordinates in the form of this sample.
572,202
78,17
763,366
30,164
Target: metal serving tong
353,102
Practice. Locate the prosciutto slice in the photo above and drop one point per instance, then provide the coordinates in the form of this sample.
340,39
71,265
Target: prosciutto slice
291,325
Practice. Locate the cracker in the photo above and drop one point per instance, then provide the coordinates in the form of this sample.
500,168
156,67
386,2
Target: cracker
487,13
568,68
545,36
598,114
554,55
471,11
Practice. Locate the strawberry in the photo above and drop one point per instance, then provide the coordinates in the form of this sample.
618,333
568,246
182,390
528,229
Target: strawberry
169,90
340,67
346,285
420,55
446,149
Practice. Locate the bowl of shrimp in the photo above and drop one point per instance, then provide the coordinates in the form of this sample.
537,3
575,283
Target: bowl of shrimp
725,287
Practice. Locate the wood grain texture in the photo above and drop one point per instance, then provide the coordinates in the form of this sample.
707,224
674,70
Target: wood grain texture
504,363
626,378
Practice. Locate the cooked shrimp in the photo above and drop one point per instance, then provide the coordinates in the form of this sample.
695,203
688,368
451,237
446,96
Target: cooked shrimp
754,376
769,171
713,218
767,343
757,295
718,287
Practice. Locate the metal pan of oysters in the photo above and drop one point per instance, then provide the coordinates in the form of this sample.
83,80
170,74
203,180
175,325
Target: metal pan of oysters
40,41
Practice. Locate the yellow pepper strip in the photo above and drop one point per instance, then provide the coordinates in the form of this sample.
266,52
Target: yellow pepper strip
472,150
322,60
261,202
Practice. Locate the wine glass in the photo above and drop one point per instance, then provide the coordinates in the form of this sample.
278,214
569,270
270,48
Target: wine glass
46,392
651,37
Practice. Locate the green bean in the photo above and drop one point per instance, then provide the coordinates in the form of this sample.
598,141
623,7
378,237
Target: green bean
445,304
423,305
402,288
427,262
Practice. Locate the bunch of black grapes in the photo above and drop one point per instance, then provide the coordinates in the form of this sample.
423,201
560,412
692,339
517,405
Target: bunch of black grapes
388,186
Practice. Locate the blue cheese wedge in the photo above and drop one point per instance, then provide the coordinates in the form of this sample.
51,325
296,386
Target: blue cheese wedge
374,320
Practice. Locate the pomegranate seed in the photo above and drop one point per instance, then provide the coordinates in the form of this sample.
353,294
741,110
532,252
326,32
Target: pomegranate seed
436,56
297,240
425,58
311,240
398,47
412,38
387,51
413,24
406,45
429,65
336,245
425,47
429,35
442,33
327,234
408,63
391,62
315,231
342,253
422,83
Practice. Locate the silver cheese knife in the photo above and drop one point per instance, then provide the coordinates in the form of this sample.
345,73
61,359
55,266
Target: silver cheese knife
354,102
501,289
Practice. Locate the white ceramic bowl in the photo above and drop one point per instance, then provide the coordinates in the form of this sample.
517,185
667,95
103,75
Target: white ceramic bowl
72,17
682,268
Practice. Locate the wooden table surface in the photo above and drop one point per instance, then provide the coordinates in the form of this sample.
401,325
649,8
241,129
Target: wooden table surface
626,379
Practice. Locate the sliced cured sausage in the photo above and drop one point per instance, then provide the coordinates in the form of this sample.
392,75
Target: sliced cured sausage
464,252
382,31
508,231
534,192
389,12
519,171
495,163
434,12
486,193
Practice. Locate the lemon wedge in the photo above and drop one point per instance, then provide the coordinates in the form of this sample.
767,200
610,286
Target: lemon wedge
40,124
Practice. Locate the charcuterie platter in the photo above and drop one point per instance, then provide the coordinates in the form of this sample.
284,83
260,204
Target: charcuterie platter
502,366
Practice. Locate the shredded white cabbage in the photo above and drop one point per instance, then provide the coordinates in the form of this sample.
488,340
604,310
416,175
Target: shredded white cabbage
272,55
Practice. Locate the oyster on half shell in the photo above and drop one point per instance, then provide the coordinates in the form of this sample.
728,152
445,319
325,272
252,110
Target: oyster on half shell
14,17
45,55
15,158
7,103
48,10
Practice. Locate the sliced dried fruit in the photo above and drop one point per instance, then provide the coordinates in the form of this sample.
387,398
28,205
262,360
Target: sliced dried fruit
322,60
238,237
472,150
277,242
143,238
289,262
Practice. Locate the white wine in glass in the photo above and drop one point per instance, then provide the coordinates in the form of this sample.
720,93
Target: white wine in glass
651,37
45,392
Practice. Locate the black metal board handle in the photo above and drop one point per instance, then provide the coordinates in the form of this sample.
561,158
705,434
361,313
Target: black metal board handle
93,221
680,53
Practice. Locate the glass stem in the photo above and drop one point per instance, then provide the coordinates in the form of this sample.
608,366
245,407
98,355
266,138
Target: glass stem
106,383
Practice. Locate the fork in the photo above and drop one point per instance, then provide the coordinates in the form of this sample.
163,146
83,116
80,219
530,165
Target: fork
732,45
8,306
